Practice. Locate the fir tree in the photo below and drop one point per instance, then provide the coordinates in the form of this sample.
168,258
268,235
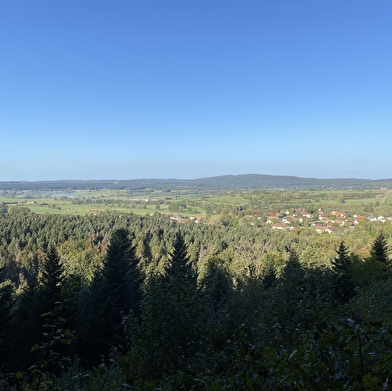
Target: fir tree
6,306
269,277
42,314
173,318
216,285
380,249
379,252
27,331
51,283
179,288
293,272
115,292
344,287
288,300
179,276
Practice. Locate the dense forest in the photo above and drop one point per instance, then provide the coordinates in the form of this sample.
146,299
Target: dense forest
120,301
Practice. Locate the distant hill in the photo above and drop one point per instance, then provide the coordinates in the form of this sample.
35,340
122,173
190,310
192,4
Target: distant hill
225,182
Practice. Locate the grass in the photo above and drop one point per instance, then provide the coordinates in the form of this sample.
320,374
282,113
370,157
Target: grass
121,200
230,199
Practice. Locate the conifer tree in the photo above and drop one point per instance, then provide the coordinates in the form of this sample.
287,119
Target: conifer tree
288,300
344,287
216,285
25,327
41,314
179,276
179,286
172,315
269,277
379,252
293,272
380,249
51,283
114,293
6,305
51,311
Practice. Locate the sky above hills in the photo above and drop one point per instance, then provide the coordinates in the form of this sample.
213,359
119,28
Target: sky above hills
132,89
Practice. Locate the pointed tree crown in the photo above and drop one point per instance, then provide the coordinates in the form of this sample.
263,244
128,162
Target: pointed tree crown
179,272
379,250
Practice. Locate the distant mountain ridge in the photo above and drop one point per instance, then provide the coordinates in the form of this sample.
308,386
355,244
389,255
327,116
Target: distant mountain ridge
224,182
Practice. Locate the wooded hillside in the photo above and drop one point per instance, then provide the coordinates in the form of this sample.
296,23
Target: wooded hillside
113,301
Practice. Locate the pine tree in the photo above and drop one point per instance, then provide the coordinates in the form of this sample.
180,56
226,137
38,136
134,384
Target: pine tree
379,252
114,293
51,283
216,285
179,276
287,300
41,318
179,286
25,326
269,277
6,305
293,272
344,287
172,317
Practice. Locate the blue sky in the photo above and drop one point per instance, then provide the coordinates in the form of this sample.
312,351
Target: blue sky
132,89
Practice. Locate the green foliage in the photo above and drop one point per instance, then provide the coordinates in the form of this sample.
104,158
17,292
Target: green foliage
51,360
380,249
172,326
353,354
51,282
344,288
7,303
367,271
240,365
114,293
216,285
379,254
263,313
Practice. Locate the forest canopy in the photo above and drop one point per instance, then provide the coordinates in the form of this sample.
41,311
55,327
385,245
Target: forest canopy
113,301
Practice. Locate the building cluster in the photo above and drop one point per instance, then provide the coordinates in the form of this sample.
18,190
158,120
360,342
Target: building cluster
182,219
321,222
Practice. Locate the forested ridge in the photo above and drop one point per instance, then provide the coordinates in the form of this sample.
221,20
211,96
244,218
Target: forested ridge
232,182
118,301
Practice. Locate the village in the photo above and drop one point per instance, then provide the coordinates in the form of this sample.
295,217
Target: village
325,222
321,222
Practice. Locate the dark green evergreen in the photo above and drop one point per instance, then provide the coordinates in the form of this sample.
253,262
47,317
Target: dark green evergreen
269,277
173,318
233,331
293,272
380,253
285,308
51,282
343,282
216,286
41,312
6,314
26,327
179,277
115,294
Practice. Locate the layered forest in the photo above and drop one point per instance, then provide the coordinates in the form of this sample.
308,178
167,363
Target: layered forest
122,301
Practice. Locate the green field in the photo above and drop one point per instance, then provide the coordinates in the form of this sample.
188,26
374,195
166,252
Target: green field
186,203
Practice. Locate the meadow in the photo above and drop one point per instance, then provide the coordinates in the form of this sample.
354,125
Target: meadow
197,204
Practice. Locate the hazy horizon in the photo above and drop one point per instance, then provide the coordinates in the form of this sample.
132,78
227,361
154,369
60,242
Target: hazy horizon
189,179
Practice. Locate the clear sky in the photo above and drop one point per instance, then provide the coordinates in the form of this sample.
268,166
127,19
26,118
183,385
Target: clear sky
128,89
